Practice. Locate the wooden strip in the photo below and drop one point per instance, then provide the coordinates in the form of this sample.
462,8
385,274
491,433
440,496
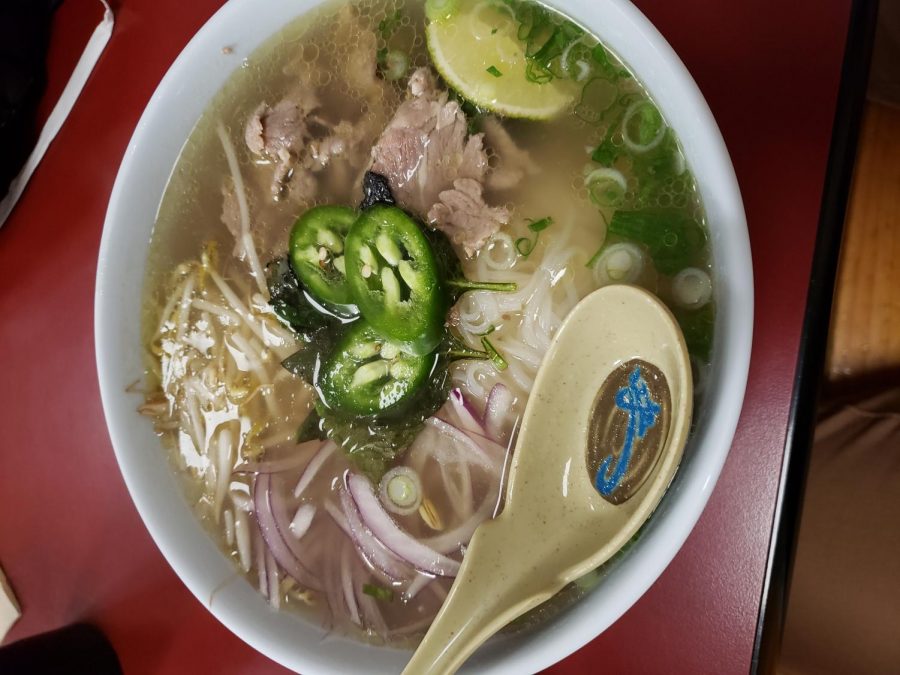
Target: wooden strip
865,324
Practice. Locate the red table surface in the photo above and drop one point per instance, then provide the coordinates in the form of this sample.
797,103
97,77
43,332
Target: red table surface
71,542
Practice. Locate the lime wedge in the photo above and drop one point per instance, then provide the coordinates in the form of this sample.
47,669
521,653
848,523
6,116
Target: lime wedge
475,49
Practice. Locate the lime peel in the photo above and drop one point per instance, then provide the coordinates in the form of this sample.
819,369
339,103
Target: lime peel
469,47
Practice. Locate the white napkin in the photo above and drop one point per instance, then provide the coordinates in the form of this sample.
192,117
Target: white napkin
61,110
9,608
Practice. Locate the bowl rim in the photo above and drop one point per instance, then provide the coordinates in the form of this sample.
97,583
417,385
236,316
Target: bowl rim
195,75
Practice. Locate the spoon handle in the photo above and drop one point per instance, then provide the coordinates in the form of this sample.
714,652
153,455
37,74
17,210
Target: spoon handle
486,598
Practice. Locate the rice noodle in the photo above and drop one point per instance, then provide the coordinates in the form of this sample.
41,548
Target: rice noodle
528,318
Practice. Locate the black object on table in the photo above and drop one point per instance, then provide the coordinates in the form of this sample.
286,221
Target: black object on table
79,649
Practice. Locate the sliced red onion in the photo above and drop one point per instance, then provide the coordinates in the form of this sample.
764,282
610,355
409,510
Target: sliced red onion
460,495
279,509
469,420
339,518
313,467
302,520
274,537
385,530
347,582
476,452
499,404
374,619
492,448
373,551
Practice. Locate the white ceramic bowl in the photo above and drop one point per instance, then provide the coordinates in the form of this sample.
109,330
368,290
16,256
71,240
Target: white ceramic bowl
193,79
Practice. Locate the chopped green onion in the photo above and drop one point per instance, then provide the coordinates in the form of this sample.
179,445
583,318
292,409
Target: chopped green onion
597,97
396,65
400,490
540,225
537,73
379,593
692,288
493,70
388,25
524,246
643,128
499,362
620,263
674,239
606,187
494,31
697,327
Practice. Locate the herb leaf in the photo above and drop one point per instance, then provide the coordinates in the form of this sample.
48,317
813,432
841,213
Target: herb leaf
540,225
524,246
290,302
388,25
379,593
311,429
498,360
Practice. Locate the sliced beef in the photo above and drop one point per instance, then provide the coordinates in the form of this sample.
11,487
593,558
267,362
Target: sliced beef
342,139
438,171
280,133
297,142
463,216
425,147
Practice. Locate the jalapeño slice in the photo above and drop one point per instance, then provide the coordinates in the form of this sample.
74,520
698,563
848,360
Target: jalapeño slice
367,374
317,255
394,279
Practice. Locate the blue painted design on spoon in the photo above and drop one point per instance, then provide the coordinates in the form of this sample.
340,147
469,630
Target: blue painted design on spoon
643,412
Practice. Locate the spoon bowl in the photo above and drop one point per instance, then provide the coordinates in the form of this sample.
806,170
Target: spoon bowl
601,439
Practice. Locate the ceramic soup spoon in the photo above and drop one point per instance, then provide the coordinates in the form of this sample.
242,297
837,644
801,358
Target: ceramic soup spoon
600,441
